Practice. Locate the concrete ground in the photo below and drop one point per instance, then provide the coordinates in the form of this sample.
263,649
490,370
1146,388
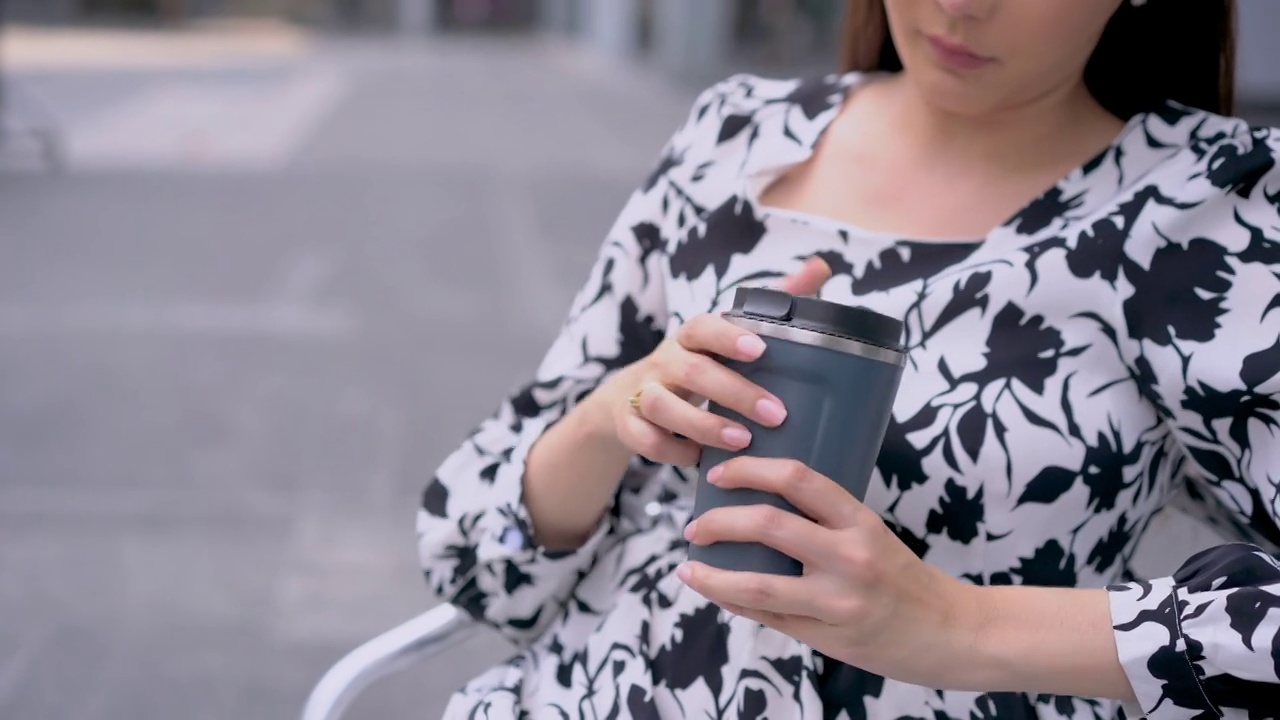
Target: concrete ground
278,282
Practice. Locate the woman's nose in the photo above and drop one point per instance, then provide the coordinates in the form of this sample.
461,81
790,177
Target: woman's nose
967,8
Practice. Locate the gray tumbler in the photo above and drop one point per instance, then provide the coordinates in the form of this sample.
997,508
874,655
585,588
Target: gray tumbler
836,368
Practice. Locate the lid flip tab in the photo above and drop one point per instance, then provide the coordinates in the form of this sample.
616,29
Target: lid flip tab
765,303
811,314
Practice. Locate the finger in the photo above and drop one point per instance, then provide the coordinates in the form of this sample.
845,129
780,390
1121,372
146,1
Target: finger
704,377
781,623
752,592
669,411
711,333
656,444
813,494
784,531
809,279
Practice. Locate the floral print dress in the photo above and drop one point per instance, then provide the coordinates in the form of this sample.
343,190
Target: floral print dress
1111,348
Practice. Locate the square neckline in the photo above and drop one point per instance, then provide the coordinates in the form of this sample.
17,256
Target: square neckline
758,180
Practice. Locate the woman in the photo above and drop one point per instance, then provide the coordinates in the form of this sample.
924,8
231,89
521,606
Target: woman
1085,252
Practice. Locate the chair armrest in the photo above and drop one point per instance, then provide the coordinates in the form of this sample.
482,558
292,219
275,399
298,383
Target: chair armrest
419,639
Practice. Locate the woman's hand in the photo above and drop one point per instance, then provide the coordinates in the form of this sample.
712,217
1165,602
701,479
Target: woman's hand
573,470
682,369
864,599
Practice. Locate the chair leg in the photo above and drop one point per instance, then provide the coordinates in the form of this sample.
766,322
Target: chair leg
422,638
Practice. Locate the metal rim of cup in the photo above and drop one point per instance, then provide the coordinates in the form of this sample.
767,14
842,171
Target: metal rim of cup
819,339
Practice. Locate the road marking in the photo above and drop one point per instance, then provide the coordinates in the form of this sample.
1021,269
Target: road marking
142,504
19,658
240,42
305,277
180,320
523,252
226,125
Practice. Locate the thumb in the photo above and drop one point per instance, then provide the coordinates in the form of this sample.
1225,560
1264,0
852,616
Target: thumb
808,279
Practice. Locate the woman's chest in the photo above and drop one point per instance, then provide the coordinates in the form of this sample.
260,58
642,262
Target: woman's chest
1011,332
882,195
1017,416
971,312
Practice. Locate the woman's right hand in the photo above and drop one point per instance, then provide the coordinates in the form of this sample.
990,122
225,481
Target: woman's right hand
683,368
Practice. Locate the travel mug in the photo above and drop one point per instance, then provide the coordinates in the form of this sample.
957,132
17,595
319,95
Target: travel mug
836,368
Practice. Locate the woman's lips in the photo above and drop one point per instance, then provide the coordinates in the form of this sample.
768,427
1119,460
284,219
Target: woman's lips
956,55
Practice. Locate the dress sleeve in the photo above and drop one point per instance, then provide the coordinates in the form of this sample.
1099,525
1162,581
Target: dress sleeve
1203,318
475,542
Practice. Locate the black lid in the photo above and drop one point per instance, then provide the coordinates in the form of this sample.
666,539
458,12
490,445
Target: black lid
855,323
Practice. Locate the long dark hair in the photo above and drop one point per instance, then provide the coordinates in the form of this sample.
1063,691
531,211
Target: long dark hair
1179,50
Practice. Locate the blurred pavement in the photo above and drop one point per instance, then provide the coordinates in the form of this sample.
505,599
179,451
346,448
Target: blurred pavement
279,282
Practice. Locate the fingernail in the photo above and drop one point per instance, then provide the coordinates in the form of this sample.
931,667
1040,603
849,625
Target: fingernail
736,436
684,573
771,411
689,530
713,475
751,346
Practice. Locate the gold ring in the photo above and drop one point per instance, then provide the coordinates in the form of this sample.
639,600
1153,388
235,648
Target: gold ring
634,401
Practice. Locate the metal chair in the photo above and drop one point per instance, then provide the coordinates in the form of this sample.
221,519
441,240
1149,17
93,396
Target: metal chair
422,638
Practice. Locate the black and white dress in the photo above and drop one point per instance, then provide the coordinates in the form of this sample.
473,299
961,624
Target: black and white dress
1112,346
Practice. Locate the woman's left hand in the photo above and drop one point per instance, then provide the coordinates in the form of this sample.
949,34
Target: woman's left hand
865,598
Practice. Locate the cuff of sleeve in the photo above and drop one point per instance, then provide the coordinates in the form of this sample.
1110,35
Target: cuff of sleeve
506,533
1152,650
484,552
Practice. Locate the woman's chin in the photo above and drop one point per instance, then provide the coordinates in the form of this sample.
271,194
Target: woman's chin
963,96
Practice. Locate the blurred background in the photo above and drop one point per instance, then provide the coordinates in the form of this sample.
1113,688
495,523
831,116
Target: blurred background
262,264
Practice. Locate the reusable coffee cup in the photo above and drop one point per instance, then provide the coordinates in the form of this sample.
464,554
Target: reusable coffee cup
836,368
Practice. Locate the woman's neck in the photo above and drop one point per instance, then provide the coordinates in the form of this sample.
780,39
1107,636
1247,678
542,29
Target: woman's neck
1064,124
